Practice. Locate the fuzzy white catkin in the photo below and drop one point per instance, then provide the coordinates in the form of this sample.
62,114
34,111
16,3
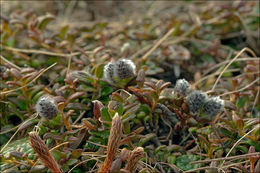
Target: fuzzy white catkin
109,72
46,107
182,87
195,100
124,69
213,106
119,73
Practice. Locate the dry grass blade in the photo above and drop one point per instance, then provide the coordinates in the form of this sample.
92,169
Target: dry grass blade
258,126
113,143
5,92
7,61
42,52
212,75
43,152
69,64
243,50
241,89
19,127
158,43
84,161
228,158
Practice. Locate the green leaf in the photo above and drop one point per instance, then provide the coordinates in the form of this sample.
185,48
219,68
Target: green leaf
63,31
56,154
147,138
225,132
71,162
103,134
160,148
11,42
105,114
255,144
242,148
42,130
145,109
183,162
55,121
241,102
127,128
99,71
76,153
106,90
120,110
88,88
128,117
44,20
171,159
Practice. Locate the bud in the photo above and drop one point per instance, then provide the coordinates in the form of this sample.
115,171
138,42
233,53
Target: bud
135,156
46,107
43,152
195,100
182,87
213,106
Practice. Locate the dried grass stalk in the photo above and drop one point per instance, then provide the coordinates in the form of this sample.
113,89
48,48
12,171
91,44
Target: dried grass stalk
43,152
135,156
113,143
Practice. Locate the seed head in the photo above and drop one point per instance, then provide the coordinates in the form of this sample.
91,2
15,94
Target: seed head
46,107
195,100
109,72
213,106
182,87
124,69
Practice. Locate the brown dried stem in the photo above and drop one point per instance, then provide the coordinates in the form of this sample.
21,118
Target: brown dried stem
113,143
43,152
135,156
